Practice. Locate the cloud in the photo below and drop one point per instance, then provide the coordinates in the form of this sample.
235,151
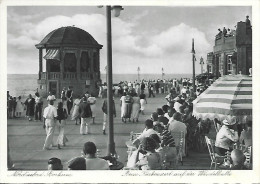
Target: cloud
169,48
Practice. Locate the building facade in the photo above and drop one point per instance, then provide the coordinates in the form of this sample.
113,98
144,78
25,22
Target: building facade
71,59
232,52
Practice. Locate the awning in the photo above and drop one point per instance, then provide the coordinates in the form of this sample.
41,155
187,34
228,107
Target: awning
227,97
52,54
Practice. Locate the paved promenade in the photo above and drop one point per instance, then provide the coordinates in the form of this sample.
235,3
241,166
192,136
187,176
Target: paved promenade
26,140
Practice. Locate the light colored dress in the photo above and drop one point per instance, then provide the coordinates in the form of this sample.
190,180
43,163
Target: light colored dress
142,102
151,161
19,106
75,113
92,102
123,106
135,108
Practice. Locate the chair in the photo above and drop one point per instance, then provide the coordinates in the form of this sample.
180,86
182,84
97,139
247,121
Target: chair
170,157
248,155
213,156
180,151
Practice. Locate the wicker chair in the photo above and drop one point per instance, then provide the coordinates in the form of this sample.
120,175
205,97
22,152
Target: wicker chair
213,156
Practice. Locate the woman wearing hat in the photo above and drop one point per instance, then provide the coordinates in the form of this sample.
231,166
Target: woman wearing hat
226,136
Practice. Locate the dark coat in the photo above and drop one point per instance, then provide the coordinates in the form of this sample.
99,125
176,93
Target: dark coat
30,103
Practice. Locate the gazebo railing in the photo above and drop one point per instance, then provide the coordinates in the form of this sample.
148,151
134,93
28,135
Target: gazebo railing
70,75
43,75
66,75
54,75
84,75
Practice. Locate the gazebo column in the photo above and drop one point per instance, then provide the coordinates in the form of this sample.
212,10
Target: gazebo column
91,55
78,64
40,63
62,64
98,64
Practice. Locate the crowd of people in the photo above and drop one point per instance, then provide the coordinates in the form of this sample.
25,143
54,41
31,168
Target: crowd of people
159,143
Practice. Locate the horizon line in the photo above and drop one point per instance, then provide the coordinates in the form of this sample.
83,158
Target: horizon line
114,73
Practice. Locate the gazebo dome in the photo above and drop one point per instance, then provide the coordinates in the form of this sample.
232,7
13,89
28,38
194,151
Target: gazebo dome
69,35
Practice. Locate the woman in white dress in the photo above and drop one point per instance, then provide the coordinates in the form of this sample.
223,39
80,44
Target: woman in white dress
75,114
143,101
19,107
92,101
135,108
123,106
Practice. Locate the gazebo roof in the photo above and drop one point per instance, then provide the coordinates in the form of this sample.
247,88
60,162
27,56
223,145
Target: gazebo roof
69,35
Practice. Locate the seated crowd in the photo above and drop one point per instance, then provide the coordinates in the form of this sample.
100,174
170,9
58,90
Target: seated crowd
162,142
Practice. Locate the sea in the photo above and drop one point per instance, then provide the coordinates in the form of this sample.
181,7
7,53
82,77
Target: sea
24,84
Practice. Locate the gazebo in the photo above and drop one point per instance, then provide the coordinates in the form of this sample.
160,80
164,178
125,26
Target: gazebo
72,59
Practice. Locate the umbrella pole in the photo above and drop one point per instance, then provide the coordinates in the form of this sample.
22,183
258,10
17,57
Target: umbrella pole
216,126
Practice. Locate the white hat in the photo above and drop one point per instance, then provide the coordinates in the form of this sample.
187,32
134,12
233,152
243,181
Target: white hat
231,122
225,122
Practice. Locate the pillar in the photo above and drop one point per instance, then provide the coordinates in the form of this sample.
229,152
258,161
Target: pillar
91,56
62,64
40,62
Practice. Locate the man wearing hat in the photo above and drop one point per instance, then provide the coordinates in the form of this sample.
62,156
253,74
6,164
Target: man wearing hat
226,136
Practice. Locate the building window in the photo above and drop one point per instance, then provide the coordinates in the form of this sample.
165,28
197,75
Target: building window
229,64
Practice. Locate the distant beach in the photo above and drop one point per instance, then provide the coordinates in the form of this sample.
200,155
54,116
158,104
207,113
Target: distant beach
24,84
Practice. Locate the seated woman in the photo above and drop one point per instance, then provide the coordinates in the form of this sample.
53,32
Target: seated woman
226,136
151,160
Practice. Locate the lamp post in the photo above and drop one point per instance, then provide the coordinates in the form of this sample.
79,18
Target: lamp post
162,73
138,74
111,142
193,66
201,64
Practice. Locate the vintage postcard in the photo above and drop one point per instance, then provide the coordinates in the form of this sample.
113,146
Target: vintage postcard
158,91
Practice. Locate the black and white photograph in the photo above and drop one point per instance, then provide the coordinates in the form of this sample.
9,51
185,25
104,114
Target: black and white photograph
146,90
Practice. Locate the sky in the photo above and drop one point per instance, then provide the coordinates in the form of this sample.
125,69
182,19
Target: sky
149,37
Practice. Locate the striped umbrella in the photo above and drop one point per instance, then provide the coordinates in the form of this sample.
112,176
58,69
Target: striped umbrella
229,96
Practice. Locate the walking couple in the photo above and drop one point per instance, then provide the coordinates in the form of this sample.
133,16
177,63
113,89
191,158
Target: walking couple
54,117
